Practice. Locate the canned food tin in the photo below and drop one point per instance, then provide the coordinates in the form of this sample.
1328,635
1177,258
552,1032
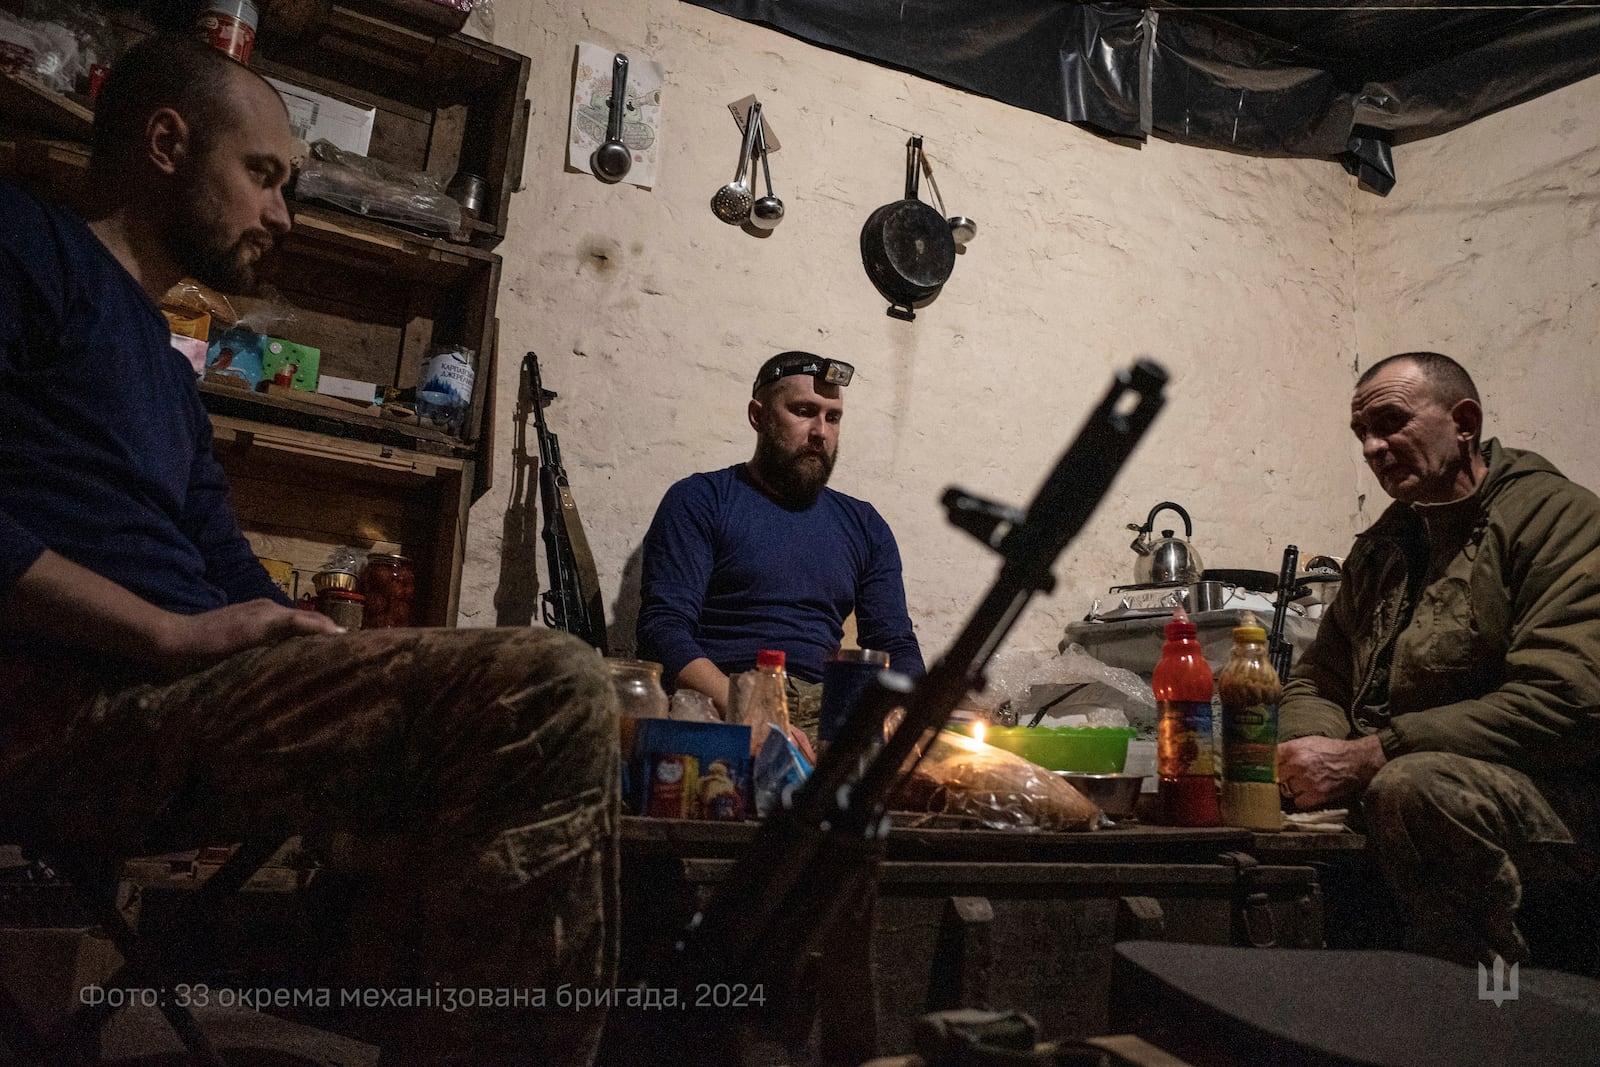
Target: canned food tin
230,26
342,606
844,679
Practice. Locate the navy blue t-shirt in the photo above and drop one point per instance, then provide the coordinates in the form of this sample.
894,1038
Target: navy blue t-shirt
727,571
105,449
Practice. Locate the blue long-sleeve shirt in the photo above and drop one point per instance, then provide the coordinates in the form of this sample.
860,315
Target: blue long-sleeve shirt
727,571
105,449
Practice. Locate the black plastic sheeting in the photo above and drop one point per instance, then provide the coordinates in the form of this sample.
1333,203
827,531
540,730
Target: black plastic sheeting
1342,84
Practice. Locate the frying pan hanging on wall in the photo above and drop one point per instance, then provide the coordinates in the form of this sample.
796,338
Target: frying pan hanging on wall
907,246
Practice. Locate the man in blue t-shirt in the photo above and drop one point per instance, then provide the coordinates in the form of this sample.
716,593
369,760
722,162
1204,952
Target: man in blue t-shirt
764,555
156,692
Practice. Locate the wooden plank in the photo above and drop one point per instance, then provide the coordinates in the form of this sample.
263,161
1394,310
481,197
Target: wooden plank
235,435
444,141
28,104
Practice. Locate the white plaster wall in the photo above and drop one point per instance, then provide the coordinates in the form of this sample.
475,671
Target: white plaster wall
1489,250
650,315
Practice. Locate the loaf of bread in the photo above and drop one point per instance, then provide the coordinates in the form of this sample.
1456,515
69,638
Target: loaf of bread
960,776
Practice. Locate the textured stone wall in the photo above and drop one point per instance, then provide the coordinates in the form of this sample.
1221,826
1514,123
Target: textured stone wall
1489,250
650,315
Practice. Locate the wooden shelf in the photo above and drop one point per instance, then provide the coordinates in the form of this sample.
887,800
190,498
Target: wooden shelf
375,299
355,425
28,104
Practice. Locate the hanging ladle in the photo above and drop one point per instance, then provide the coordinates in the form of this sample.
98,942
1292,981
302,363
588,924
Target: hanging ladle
767,212
611,159
732,202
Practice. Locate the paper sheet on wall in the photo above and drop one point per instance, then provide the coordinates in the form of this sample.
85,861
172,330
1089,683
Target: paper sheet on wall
591,106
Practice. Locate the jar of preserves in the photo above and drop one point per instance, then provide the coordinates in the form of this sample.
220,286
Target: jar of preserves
389,584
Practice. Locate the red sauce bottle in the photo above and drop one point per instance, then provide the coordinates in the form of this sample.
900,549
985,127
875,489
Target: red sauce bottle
1185,749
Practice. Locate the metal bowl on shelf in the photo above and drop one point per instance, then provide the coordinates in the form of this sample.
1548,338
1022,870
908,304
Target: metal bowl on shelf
1116,794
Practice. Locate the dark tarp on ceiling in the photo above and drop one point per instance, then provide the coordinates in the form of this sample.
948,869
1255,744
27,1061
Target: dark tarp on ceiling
1322,83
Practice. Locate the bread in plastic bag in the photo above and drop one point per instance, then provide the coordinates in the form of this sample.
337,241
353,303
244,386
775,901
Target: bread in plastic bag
960,776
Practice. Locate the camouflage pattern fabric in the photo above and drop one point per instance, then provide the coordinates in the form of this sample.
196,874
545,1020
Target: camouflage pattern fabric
1459,838
805,706
472,775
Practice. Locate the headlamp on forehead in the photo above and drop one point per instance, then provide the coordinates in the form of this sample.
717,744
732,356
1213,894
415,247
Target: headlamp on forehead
826,371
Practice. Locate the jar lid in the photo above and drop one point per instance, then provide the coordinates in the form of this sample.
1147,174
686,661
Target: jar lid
876,657
343,594
770,657
387,557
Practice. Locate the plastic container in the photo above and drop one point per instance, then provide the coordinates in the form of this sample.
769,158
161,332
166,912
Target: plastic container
761,696
1249,690
230,26
1185,748
1086,749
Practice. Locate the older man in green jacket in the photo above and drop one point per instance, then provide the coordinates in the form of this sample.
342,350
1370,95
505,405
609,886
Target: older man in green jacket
1454,685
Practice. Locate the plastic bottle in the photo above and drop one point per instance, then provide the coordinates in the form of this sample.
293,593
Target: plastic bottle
1185,755
767,700
1249,689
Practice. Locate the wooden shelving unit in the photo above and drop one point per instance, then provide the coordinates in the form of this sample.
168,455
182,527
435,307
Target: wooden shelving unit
376,299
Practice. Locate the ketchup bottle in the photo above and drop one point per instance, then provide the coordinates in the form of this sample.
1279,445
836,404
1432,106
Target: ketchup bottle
1185,752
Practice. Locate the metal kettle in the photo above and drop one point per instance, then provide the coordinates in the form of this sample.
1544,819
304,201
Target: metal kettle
1167,559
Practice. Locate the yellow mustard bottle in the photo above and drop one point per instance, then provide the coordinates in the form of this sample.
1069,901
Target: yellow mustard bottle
1249,689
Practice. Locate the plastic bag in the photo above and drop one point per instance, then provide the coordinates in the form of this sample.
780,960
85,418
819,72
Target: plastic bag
960,776
369,187
46,51
780,769
688,705
1074,688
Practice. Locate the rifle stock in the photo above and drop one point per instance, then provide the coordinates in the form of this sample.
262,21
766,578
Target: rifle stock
573,602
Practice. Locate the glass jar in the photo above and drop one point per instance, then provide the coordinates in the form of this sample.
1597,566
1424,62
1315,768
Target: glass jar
639,696
638,686
389,584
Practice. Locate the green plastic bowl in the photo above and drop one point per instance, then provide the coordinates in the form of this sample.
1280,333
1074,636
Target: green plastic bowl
1086,749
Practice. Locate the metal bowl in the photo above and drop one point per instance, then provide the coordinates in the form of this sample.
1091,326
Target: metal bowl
1116,794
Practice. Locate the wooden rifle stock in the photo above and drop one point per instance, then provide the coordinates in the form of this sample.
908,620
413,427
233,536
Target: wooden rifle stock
573,602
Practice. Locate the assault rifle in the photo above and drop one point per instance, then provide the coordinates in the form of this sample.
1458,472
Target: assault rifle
817,856
573,602
1280,650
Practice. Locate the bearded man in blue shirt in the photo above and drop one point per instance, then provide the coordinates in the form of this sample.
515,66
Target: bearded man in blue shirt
763,555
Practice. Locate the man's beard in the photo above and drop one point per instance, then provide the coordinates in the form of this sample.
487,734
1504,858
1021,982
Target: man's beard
795,478
206,255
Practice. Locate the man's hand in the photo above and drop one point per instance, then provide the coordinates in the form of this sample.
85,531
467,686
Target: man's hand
190,642
703,676
1313,771
57,600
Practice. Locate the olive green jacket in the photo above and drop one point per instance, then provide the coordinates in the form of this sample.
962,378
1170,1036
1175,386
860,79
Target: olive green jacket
1501,658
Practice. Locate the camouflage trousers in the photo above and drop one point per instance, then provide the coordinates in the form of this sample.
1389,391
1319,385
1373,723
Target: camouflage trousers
1458,839
472,775
805,705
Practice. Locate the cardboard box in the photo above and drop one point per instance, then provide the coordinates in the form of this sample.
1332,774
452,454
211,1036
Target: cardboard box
692,770
348,388
237,353
193,349
303,358
317,116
